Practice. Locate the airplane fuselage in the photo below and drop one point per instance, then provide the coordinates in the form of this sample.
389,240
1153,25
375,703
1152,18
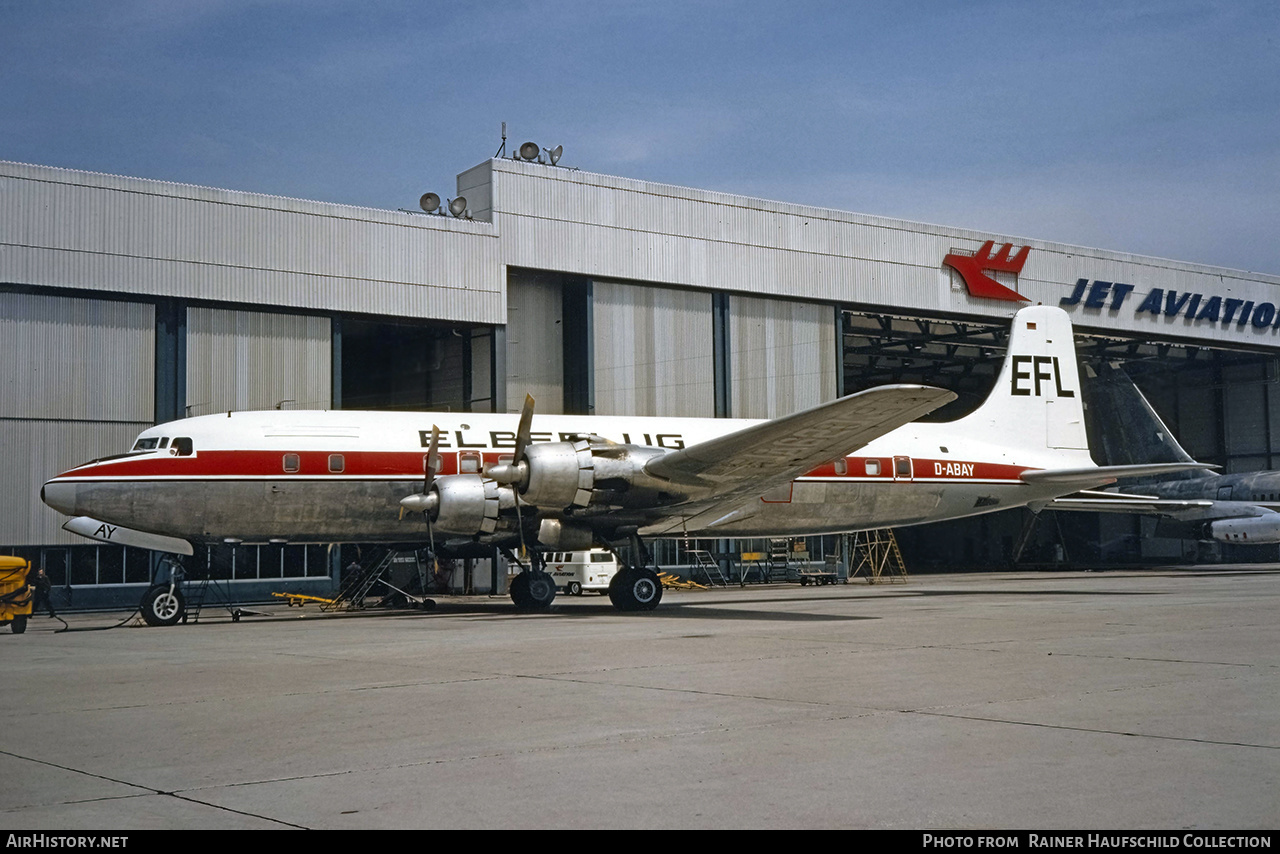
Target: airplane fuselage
337,476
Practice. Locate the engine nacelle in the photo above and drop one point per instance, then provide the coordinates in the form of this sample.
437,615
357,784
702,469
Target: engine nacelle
561,475
571,476
558,535
1258,530
465,504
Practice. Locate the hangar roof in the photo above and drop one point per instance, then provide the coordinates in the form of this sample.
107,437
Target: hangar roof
71,229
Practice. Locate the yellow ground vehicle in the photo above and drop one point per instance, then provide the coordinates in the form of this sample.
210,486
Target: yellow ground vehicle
15,595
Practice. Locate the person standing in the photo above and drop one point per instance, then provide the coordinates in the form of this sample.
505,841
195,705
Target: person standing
43,588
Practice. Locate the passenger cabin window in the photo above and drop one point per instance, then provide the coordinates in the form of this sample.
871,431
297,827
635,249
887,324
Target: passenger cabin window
469,462
183,446
292,463
902,466
426,464
842,467
873,467
336,464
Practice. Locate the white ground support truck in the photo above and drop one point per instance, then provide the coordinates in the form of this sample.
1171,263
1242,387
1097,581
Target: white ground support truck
575,572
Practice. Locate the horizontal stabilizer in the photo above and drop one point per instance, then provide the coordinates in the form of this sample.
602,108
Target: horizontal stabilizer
1114,502
1099,475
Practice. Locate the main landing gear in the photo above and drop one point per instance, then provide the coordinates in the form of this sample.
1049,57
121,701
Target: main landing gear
635,587
533,589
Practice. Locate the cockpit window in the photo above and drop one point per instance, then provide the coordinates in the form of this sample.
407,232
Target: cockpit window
164,443
146,444
183,446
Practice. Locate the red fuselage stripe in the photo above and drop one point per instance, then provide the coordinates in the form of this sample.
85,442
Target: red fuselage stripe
372,465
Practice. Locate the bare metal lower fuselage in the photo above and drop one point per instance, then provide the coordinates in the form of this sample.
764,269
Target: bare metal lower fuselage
361,510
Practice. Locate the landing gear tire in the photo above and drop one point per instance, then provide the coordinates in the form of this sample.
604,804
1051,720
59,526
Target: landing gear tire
160,607
574,589
533,591
635,590
19,624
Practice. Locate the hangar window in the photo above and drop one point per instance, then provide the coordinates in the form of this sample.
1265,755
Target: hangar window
336,464
873,468
292,463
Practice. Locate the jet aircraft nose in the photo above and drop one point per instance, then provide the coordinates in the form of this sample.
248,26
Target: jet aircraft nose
60,496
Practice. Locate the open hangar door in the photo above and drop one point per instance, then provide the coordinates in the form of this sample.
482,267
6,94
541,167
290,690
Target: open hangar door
1222,405
424,366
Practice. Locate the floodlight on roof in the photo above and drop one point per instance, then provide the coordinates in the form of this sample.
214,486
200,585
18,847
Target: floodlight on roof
554,153
529,151
429,202
458,206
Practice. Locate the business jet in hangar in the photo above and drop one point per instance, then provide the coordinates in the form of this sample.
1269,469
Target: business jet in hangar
564,482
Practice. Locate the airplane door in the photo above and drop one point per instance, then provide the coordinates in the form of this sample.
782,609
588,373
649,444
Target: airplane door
902,468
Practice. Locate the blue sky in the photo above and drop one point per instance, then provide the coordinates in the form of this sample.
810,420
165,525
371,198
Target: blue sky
1148,127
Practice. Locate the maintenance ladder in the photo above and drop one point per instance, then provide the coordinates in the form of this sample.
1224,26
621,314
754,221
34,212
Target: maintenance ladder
354,588
876,552
704,563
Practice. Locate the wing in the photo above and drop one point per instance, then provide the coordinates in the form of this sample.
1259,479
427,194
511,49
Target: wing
731,469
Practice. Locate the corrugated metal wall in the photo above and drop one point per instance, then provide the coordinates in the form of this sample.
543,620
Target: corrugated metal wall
535,342
607,227
63,228
653,351
782,356
240,360
77,384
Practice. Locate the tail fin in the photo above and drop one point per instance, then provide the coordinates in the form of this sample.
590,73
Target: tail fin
1036,402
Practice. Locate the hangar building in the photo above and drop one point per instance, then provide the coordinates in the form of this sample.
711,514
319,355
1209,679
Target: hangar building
126,301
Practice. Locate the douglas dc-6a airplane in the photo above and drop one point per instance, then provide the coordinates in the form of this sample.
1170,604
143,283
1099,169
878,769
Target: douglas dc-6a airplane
563,482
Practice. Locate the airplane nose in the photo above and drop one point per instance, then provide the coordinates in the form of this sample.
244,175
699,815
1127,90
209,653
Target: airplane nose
60,496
